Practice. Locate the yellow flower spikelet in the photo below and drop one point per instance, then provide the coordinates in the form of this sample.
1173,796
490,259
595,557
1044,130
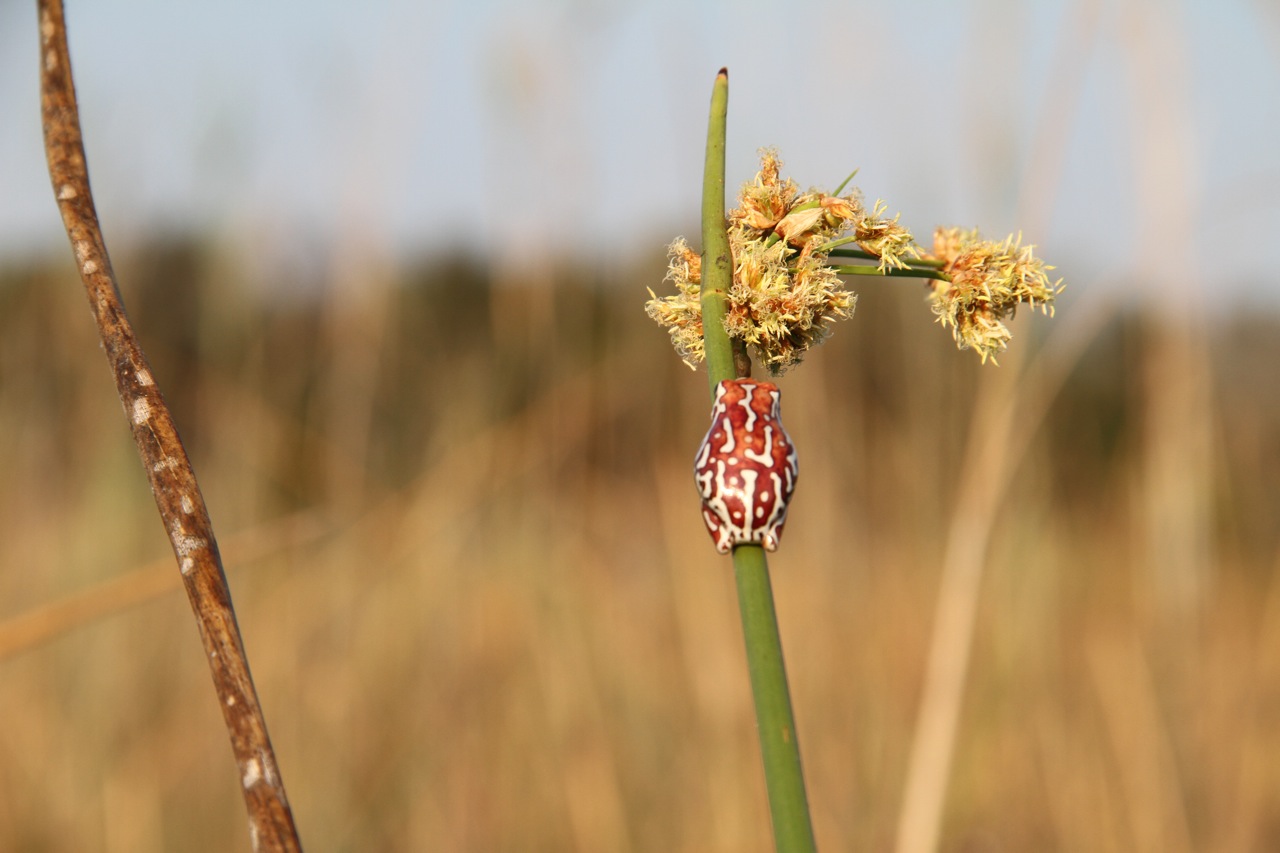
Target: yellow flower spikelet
784,295
988,280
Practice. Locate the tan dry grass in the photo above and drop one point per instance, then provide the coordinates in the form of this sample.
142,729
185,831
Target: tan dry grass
519,638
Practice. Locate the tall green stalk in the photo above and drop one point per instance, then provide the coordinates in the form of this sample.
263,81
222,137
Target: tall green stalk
726,359
717,259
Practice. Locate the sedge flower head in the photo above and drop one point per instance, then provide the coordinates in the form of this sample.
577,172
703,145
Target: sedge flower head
681,314
781,302
763,202
784,295
885,238
987,282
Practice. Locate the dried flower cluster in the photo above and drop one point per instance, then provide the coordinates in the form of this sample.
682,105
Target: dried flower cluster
681,314
988,280
786,293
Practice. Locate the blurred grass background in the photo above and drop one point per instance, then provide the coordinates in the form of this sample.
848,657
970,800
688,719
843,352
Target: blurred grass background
458,519
454,496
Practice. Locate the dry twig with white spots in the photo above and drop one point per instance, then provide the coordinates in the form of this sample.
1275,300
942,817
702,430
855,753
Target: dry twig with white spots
173,482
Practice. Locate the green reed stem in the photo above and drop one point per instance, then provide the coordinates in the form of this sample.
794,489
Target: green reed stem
779,747
725,359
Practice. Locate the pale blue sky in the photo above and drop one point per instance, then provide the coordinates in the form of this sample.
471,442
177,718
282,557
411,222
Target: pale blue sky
562,127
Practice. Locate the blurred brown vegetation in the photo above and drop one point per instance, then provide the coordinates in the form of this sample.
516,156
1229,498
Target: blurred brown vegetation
459,522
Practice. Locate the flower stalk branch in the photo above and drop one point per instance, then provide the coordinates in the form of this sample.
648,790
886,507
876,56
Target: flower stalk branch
908,272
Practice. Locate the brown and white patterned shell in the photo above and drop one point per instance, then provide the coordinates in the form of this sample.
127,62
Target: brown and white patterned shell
746,467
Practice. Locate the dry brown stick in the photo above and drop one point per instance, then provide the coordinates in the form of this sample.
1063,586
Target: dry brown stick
173,482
